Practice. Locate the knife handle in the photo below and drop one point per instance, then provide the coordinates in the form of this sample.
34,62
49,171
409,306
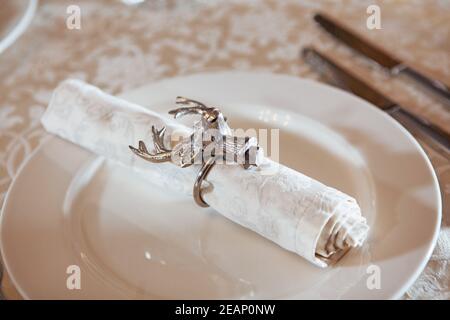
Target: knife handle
431,134
381,56
435,137
434,85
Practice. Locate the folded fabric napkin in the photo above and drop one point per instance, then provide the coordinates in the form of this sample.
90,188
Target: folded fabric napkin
297,212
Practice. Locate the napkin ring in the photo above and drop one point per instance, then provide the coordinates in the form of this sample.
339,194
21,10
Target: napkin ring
190,150
202,175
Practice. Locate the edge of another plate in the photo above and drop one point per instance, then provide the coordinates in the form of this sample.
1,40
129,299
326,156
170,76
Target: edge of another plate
20,27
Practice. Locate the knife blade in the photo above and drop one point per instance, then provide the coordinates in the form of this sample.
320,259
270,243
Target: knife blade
341,77
379,55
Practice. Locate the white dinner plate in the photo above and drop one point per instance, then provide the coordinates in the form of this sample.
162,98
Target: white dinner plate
130,240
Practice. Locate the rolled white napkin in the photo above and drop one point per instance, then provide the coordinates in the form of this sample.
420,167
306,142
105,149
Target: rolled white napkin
297,212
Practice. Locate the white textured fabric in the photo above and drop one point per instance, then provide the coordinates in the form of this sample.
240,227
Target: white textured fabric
434,283
298,213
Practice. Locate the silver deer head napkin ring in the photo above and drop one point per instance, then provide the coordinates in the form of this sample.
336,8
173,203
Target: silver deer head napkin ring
211,142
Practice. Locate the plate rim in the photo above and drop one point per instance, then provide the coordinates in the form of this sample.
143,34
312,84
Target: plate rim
398,294
17,30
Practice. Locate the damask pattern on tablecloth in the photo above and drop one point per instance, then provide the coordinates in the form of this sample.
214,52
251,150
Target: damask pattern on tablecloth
121,47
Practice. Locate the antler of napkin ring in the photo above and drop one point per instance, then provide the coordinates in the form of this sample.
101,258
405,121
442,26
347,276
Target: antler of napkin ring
211,139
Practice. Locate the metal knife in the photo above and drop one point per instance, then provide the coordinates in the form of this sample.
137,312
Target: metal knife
377,54
435,137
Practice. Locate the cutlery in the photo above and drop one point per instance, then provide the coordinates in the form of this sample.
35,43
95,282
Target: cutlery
379,55
435,137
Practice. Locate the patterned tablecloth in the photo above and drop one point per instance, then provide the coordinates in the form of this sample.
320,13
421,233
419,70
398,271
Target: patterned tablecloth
120,47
